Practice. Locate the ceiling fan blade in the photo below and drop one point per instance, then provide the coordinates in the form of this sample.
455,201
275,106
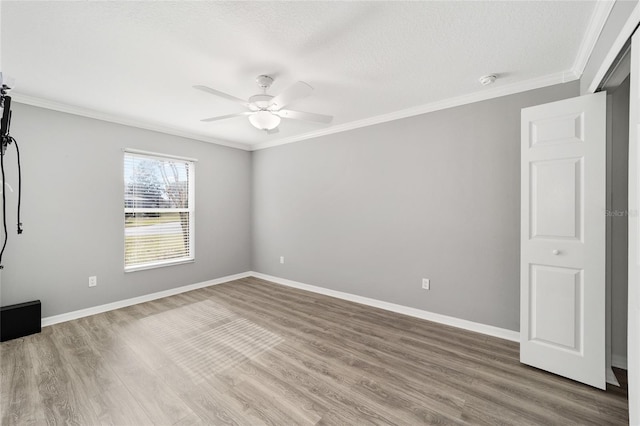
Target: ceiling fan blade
224,117
297,91
272,131
307,116
221,94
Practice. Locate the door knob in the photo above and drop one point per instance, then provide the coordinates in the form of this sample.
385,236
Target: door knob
556,252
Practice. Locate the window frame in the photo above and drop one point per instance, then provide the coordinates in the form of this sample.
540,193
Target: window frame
190,209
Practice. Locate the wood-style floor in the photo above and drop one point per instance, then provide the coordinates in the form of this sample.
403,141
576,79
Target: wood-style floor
251,352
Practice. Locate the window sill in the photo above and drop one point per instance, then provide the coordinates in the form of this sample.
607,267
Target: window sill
157,265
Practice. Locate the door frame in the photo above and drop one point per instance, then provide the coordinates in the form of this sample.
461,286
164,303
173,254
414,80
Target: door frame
633,322
633,328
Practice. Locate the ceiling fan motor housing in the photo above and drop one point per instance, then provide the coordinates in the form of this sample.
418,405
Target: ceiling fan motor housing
264,81
259,102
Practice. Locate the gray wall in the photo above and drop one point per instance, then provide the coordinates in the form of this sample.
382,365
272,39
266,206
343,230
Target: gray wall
374,210
619,223
73,212
616,20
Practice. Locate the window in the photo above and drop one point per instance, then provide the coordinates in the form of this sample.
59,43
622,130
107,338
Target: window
158,210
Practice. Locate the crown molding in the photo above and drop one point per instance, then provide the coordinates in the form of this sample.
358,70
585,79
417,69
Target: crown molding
494,92
98,115
489,93
596,24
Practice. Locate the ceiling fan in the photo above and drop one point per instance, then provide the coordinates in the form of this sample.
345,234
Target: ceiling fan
265,111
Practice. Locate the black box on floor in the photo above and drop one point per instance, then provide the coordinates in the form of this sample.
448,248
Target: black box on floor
20,320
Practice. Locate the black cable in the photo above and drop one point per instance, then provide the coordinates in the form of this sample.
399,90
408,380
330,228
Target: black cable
15,142
4,202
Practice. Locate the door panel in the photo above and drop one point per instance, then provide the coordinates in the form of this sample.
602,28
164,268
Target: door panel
556,199
563,238
555,315
562,129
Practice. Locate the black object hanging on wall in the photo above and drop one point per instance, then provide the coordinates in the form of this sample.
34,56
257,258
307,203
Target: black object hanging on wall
20,320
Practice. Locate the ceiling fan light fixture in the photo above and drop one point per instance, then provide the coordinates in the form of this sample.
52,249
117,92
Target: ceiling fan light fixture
265,111
264,120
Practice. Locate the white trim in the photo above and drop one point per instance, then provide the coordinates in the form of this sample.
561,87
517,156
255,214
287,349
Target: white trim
156,265
152,210
618,71
136,300
633,303
599,17
111,118
490,330
623,36
130,157
619,361
609,241
158,154
611,377
494,92
192,207
489,93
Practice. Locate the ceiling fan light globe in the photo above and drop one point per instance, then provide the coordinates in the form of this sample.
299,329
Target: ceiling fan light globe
264,120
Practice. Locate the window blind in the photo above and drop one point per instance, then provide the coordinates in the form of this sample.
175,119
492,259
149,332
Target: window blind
158,211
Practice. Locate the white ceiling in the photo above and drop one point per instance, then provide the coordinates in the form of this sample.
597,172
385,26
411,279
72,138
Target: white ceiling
137,61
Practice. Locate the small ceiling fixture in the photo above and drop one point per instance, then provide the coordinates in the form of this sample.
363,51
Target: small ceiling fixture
488,79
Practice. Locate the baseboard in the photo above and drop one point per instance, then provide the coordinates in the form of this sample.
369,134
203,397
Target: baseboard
405,310
619,361
55,319
616,360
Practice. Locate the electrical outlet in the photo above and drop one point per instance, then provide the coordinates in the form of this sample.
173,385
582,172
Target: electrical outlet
426,283
93,281
281,259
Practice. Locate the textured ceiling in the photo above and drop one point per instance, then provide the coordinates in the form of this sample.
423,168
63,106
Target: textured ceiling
139,60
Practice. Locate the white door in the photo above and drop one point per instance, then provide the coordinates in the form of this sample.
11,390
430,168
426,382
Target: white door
562,259
633,330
